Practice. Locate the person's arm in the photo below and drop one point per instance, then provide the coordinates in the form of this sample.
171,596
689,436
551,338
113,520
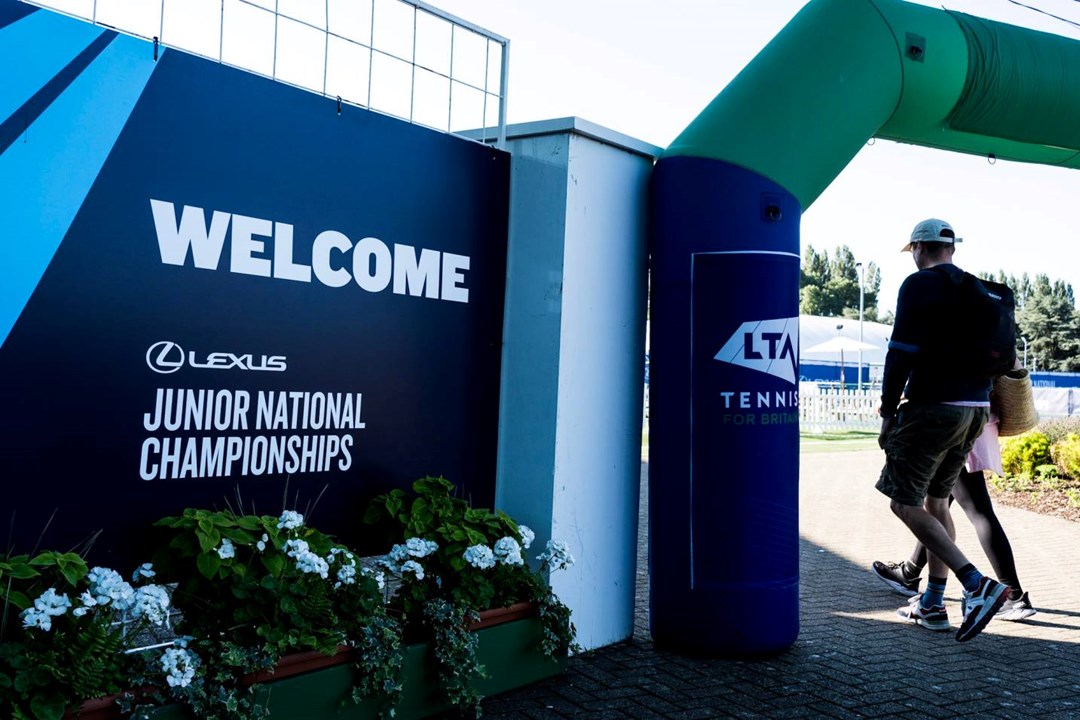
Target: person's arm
898,365
907,338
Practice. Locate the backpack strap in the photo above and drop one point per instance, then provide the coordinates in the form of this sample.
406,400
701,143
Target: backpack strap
953,273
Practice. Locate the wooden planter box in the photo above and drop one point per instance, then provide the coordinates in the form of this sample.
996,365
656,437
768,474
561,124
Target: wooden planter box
315,686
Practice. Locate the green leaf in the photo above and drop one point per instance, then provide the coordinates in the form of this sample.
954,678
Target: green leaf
374,513
208,539
21,571
19,600
48,707
242,537
250,522
185,544
45,559
275,563
72,567
208,563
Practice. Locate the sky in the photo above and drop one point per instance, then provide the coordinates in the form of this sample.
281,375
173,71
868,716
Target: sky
646,69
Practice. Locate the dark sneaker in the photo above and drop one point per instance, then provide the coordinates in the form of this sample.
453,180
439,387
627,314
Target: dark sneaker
934,618
892,574
980,606
1018,609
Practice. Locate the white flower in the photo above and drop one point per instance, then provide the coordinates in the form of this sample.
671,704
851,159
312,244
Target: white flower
380,579
418,547
47,606
346,575
107,586
413,567
508,551
50,603
261,545
87,601
146,570
399,553
388,562
338,553
527,536
307,561
558,555
32,618
290,520
295,548
152,602
479,556
179,666
227,549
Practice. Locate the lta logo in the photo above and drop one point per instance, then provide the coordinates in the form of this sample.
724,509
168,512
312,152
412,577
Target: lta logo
768,346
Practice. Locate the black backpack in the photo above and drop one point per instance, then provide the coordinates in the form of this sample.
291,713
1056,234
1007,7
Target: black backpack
985,323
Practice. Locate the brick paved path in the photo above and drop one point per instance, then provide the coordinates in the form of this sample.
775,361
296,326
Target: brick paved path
853,658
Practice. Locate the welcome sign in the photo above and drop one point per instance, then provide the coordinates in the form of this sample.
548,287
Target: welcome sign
216,288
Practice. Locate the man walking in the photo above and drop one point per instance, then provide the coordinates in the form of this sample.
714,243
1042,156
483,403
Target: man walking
927,439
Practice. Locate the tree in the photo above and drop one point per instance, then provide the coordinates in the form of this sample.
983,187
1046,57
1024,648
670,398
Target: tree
830,288
1021,286
1050,323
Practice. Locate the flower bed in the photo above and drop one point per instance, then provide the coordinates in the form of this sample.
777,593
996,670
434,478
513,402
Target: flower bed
269,604
314,686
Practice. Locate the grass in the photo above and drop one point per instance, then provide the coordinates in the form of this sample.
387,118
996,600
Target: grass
840,441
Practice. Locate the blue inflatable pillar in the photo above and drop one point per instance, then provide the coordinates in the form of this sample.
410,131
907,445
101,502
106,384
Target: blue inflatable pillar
724,410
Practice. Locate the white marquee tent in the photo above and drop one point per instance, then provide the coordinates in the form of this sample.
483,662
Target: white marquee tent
814,330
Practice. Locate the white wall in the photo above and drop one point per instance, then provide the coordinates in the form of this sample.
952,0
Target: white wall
574,334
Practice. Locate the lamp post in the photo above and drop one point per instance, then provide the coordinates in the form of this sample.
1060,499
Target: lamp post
859,269
1025,351
839,327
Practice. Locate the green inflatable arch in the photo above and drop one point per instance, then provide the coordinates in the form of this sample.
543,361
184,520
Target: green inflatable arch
843,71
724,230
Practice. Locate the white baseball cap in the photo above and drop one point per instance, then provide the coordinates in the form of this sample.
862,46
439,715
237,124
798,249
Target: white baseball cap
932,230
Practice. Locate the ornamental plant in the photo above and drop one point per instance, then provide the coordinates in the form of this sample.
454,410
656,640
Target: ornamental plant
1021,454
1066,455
65,631
449,562
254,588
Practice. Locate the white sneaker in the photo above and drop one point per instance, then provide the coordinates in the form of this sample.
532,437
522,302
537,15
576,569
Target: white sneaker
1018,609
980,606
934,618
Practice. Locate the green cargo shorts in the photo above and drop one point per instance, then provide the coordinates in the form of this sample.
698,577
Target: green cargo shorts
926,449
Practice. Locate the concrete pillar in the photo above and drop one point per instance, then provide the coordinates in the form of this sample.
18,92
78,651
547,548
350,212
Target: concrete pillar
573,357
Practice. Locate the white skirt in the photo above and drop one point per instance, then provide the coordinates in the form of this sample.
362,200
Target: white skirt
985,453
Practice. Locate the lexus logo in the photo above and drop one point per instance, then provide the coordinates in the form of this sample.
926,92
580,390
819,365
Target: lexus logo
165,357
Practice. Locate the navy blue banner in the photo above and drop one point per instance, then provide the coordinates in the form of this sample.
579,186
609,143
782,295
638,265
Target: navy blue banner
723,409
216,287
744,420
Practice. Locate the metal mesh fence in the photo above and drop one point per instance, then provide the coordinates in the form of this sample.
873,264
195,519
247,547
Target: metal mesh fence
400,57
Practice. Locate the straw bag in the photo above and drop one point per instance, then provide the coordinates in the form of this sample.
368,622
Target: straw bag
1015,403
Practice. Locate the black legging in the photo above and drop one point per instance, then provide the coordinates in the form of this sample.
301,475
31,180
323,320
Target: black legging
971,494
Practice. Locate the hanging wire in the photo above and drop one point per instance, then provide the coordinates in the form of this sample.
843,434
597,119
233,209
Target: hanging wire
1048,14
